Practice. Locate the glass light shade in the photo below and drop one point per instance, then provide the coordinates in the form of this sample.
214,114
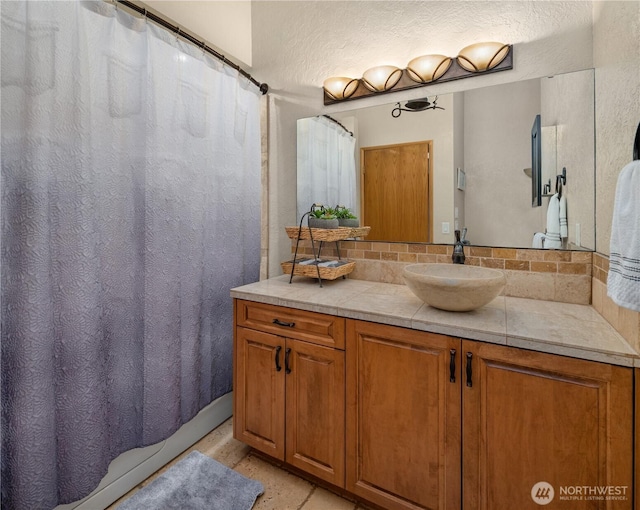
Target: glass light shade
339,88
481,57
381,78
428,68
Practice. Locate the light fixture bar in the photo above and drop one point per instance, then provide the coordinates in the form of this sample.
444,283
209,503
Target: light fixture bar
454,72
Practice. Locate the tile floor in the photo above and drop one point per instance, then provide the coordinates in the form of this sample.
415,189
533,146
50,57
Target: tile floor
283,490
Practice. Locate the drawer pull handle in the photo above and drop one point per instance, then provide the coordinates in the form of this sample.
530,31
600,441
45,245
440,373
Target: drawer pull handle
287,367
452,365
278,367
285,324
469,369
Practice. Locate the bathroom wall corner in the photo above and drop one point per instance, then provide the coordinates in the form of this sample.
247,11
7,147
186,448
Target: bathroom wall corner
264,180
625,321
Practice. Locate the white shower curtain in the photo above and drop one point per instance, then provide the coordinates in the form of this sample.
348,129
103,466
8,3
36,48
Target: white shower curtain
326,165
130,207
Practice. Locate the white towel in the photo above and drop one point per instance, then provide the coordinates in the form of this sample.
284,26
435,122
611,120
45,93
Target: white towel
564,231
552,236
623,283
538,240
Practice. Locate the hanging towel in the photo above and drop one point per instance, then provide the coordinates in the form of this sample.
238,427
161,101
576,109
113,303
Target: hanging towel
552,236
538,240
564,230
623,283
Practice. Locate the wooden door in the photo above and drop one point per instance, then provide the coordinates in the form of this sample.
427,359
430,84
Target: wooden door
530,417
403,417
315,410
259,391
396,192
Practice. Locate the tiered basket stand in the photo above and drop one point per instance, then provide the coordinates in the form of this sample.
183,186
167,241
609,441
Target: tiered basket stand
321,235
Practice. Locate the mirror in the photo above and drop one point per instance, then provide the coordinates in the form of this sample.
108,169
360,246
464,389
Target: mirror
481,159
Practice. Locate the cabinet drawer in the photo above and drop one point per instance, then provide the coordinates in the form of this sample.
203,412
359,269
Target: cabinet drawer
312,327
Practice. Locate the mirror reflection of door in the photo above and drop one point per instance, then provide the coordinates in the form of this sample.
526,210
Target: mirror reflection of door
396,196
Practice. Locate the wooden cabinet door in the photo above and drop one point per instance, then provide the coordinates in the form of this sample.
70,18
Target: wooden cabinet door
315,410
531,417
259,391
403,417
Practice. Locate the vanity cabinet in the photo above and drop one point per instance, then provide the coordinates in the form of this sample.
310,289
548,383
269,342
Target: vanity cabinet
435,422
530,417
407,419
289,387
403,417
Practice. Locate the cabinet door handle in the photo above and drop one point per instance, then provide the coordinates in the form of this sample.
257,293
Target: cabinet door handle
285,324
287,367
278,367
452,365
469,370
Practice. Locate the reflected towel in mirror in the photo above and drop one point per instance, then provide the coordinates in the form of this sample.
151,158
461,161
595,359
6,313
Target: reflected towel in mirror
564,229
552,235
538,240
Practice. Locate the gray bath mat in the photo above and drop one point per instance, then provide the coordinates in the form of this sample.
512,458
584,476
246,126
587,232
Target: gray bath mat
197,482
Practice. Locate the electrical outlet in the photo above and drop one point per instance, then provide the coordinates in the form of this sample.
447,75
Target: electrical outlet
578,240
445,227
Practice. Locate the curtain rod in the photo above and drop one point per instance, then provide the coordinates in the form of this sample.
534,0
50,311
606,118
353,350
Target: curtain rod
264,88
339,124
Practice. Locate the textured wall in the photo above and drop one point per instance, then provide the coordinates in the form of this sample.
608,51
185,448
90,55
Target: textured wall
616,37
223,24
296,45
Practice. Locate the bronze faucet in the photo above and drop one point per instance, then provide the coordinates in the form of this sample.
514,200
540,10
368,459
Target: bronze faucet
458,250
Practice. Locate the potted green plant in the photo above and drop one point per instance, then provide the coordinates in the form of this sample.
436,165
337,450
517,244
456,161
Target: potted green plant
319,217
345,217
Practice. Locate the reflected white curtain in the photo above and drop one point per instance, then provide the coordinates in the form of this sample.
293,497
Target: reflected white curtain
326,165
130,207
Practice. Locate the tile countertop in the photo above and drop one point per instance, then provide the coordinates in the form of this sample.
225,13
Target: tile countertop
545,326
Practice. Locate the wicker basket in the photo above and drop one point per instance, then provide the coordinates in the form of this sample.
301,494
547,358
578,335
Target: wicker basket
360,231
327,234
326,273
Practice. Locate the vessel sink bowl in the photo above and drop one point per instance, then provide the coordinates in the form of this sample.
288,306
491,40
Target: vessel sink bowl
454,287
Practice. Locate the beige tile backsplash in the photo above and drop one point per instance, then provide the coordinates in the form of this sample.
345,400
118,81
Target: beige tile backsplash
536,274
563,276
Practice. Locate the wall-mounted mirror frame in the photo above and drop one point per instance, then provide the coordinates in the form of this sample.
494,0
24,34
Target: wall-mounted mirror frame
491,145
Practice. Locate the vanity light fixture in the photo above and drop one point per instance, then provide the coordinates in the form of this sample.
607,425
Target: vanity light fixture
481,57
340,87
428,68
381,78
474,59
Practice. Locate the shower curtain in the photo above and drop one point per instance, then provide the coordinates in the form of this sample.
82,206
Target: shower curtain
326,165
130,207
